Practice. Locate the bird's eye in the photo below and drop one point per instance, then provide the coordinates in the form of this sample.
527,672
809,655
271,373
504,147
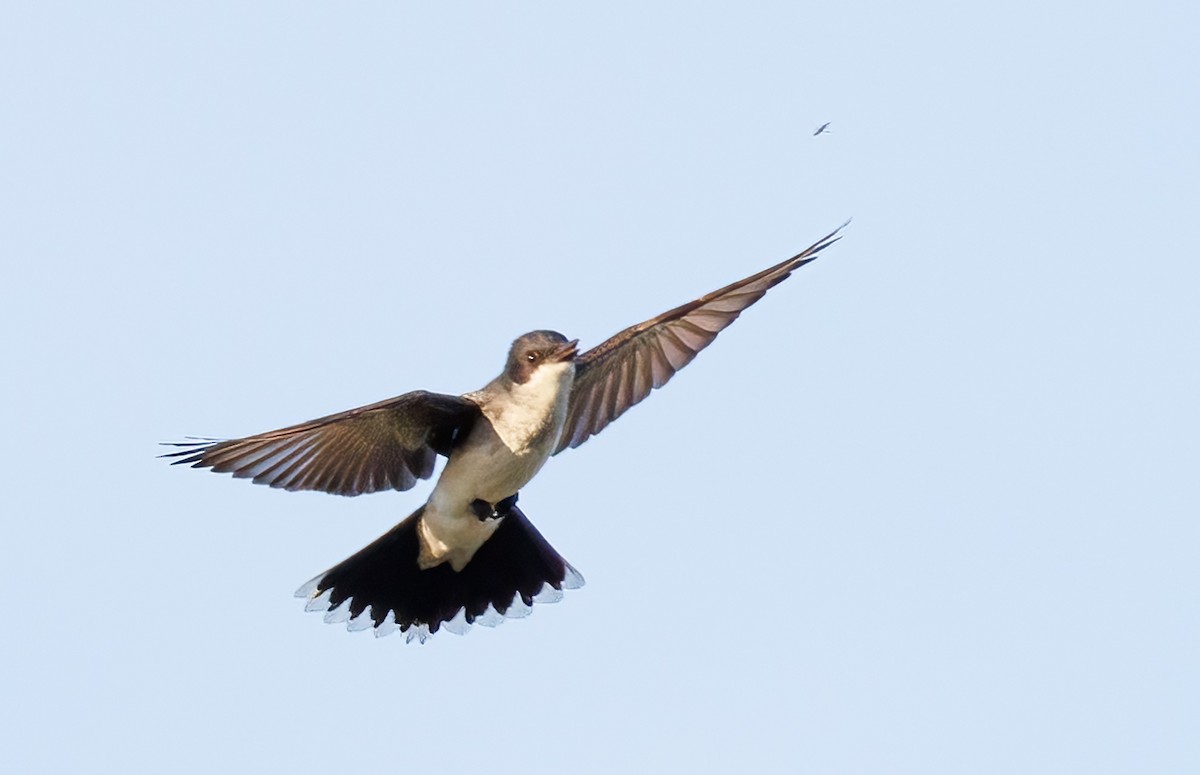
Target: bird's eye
531,357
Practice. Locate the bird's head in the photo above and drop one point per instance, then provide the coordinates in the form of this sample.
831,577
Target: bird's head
535,350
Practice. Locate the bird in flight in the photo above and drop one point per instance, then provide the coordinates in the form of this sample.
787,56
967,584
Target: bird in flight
823,129
469,555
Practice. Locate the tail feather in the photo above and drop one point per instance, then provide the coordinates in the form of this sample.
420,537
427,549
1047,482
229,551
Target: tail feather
382,586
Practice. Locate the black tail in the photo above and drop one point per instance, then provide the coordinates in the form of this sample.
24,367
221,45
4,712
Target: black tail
383,587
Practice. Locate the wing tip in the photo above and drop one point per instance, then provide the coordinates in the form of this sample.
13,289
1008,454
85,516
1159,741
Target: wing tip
809,254
193,451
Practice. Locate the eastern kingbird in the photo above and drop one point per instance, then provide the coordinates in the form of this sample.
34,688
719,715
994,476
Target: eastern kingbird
469,555
823,129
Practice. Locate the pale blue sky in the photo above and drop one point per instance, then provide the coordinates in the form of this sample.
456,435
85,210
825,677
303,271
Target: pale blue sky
949,526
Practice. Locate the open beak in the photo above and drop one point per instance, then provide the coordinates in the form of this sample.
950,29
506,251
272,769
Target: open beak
565,352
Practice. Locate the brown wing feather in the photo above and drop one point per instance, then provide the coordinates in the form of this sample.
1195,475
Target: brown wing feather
622,371
384,446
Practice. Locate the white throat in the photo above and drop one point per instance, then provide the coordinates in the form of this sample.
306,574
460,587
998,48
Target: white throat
533,416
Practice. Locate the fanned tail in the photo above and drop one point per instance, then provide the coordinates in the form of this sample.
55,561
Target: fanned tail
382,587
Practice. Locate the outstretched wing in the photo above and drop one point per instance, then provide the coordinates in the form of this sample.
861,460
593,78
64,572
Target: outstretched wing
388,445
622,371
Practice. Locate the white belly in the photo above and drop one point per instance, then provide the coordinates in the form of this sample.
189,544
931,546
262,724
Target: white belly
504,451
451,537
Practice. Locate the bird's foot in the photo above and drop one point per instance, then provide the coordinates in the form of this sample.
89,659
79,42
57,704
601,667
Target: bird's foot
485,511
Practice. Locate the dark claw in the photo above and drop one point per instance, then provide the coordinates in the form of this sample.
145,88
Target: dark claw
484,510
